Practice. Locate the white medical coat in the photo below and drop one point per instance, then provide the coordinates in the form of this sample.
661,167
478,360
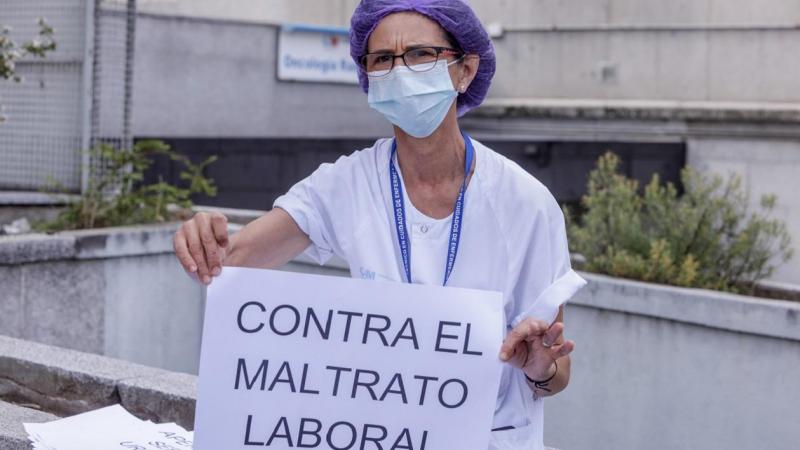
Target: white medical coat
513,241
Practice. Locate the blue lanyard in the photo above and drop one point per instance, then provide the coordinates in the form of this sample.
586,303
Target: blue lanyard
400,213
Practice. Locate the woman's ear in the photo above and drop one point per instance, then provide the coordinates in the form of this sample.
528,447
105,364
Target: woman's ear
469,68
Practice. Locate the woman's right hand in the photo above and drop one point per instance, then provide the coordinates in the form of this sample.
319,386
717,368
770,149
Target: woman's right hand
201,245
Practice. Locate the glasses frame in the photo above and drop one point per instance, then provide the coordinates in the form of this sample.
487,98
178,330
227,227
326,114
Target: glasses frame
439,51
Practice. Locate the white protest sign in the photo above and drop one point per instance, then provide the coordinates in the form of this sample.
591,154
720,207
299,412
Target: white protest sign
315,54
307,361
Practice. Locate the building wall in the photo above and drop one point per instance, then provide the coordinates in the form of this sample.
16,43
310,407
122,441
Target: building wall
622,49
319,12
638,12
605,50
748,65
506,12
203,78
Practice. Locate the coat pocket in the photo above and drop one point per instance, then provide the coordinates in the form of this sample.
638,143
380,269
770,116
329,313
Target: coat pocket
521,438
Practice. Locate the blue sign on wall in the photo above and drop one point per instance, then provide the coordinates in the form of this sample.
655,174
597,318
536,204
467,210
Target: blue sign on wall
315,54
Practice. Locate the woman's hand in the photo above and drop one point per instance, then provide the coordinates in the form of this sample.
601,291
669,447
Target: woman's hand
201,245
533,346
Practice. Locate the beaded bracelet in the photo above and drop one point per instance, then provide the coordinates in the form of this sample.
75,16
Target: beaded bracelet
542,384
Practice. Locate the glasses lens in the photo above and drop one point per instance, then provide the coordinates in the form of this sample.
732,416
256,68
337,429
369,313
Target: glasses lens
376,62
421,59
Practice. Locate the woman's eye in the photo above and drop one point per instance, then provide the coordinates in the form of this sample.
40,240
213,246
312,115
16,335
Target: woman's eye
422,53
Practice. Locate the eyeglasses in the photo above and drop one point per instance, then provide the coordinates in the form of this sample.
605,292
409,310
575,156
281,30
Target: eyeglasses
420,59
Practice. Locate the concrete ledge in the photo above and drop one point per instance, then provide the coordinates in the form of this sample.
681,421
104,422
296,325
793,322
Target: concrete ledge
66,382
28,248
739,313
123,241
87,244
732,312
84,382
659,110
163,398
31,198
12,433
234,215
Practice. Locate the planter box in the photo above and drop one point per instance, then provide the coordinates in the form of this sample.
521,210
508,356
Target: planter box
118,292
661,367
655,366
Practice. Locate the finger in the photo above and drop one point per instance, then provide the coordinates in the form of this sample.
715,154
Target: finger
210,247
526,329
219,224
196,250
563,349
553,334
182,252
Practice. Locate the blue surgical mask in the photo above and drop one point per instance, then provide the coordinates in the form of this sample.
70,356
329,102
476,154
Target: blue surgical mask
417,102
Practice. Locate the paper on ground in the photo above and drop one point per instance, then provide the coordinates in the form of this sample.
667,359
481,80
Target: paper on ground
107,428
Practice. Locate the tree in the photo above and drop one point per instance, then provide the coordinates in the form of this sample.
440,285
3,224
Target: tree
11,52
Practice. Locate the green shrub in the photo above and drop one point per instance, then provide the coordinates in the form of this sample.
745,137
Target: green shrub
117,195
704,238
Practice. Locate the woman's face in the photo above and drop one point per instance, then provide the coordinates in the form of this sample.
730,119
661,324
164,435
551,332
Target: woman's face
399,32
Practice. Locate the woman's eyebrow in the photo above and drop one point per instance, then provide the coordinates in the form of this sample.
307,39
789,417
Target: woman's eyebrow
409,47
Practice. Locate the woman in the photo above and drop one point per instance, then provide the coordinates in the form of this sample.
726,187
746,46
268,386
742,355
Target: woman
429,206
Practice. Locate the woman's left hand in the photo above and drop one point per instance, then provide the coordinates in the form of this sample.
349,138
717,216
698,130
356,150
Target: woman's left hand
533,346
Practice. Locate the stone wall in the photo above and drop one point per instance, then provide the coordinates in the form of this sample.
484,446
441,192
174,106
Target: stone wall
118,292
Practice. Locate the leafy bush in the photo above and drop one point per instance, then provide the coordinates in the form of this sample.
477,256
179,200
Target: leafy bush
704,238
117,196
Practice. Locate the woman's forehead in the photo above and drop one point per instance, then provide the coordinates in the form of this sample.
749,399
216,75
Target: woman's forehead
405,29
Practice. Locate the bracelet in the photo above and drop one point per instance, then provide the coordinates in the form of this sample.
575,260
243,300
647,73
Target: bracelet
542,384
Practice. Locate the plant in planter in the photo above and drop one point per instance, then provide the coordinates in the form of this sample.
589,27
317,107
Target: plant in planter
117,196
704,238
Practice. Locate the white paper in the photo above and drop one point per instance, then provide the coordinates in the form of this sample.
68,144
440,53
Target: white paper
241,349
107,428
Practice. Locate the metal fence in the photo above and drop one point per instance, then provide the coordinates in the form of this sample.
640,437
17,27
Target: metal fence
76,97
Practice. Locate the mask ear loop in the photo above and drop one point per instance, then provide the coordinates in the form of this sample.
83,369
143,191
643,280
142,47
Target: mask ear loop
462,88
456,60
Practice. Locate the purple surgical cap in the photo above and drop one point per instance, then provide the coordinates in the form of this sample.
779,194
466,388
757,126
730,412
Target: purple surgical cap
455,16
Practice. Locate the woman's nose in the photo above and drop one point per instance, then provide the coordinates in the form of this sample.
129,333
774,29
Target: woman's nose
395,59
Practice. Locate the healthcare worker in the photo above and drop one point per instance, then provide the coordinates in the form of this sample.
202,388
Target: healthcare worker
430,205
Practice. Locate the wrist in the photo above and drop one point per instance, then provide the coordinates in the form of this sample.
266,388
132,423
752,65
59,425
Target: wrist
544,377
542,384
